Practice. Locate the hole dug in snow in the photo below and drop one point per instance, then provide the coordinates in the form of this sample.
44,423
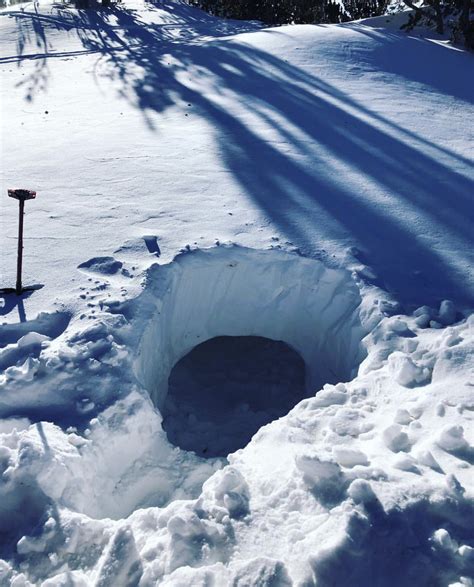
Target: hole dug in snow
237,337
227,388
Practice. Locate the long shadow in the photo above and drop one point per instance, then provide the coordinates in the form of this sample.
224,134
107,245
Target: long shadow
11,301
420,61
345,174
397,548
391,38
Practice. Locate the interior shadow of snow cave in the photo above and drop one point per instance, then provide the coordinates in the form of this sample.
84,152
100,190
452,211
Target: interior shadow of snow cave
227,388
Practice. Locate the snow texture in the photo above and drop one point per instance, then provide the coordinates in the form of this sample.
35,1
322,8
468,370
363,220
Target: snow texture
197,179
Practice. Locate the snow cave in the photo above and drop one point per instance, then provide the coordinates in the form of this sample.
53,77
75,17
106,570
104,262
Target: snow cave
237,337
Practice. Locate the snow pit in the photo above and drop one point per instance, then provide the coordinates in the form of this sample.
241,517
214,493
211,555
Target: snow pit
227,388
238,292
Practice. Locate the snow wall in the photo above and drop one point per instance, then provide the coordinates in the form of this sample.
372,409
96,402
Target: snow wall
234,291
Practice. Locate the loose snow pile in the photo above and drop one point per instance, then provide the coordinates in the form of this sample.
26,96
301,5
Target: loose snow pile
247,246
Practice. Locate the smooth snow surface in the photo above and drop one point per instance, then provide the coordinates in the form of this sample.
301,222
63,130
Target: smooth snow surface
197,179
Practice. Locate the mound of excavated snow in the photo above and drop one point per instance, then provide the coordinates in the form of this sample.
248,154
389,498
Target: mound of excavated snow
337,159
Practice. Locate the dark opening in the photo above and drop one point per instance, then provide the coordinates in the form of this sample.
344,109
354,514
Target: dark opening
228,387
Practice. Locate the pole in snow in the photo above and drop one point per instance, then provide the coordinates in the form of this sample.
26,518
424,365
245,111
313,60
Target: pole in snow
21,196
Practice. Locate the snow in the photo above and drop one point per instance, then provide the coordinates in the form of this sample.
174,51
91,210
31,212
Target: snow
308,186
210,293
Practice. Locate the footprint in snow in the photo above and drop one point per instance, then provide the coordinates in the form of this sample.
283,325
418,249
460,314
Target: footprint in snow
102,265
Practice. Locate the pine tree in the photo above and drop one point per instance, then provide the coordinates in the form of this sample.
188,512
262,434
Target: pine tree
455,13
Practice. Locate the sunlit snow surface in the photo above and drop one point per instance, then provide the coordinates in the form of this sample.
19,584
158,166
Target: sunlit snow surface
338,159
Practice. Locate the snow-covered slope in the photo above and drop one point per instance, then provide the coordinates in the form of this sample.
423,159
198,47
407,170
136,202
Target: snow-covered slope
137,122
199,178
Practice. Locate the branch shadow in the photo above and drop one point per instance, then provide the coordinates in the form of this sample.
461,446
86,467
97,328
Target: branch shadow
336,172
388,549
418,60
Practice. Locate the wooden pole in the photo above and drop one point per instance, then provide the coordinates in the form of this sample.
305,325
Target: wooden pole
21,196
20,247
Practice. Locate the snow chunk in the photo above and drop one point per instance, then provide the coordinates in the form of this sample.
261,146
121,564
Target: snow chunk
262,572
396,439
31,339
426,458
325,479
121,562
348,422
406,372
403,417
230,491
466,552
349,457
76,440
328,397
102,265
452,438
361,491
443,539
447,313
422,310
185,524
423,320
406,463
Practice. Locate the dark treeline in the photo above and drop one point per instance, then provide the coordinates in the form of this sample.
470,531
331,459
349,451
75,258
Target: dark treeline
293,11
452,15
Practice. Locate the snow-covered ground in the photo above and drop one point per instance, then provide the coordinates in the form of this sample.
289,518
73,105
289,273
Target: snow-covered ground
200,178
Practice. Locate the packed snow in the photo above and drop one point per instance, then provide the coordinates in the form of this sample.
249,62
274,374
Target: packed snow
248,241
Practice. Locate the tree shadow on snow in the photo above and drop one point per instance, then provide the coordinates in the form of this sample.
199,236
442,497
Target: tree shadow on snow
389,549
337,171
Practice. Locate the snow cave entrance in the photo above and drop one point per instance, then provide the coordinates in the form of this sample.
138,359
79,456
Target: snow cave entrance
236,337
226,388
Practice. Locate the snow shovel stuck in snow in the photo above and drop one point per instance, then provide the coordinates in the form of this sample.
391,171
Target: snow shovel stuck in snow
21,196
